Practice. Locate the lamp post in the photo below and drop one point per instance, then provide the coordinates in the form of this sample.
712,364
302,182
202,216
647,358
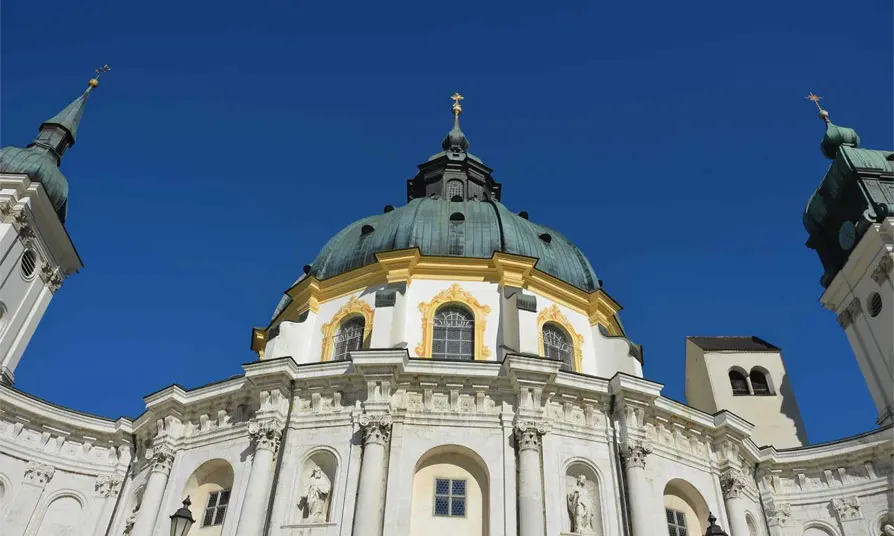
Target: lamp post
181,520
713,529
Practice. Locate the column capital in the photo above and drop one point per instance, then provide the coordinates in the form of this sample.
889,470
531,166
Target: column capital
161,458
528,434
376,428
732,483
107,485
635,455
882,272
847,508
850,313
266,434
39,474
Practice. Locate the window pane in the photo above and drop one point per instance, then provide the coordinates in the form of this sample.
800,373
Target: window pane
212,499
670,515
209,517
671,530
221,511
348,338
442,487
681,532
681,519
452,334
224,497
442,506
557,345
458,507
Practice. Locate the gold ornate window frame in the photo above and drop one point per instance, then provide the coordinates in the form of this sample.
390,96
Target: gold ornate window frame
354,307
552,315
453,294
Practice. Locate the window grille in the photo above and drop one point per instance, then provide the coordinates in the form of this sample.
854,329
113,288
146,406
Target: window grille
676,522
348,338
759,383
450,497
875,304
216,509
556,345
452,336
739,383
29,264
454,188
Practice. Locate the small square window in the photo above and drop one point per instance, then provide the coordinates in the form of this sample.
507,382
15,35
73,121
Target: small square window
450,497
216,509
676,522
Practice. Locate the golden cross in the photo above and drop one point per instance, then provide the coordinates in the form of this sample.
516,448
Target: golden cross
815,99
457,107
104,69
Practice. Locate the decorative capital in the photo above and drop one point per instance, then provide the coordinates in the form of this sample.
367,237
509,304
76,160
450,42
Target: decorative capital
161,458
107,485
52,276
266,434
847,508
850,313
635,455
778,514
528,434
732,483
39,473
882,272
376,428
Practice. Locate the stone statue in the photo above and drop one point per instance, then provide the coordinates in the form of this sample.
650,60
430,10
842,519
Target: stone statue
315,500
580,507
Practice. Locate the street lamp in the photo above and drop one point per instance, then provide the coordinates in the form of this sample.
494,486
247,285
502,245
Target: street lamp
181,520
713,529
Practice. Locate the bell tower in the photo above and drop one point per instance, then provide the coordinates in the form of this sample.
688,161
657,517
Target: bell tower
850,220
36,253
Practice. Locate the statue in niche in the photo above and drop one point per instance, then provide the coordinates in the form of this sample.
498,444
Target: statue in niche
580,507
315,501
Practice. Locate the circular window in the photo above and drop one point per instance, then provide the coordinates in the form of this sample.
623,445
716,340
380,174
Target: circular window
875,304
29,264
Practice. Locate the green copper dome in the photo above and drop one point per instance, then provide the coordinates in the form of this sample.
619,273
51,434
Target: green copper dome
41,158
469,228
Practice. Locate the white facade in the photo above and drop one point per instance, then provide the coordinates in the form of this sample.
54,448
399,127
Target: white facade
863,283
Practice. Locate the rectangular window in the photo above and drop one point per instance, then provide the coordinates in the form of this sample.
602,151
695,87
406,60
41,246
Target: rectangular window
450,497
676,522
216,509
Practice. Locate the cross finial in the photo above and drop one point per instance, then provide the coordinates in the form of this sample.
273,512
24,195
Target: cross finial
99,72
824,115
457,107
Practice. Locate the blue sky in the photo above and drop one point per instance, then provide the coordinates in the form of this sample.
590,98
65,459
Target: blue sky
670,141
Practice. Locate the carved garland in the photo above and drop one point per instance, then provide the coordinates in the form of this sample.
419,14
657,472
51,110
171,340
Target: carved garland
354,307
454,294
552,315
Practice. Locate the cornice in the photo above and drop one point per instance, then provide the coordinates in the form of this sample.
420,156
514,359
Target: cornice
877,440
19,403
878,240
633,388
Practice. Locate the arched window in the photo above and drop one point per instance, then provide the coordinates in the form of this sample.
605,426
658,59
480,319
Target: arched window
454,189
557,345
348,338
739,383
759,384
452,336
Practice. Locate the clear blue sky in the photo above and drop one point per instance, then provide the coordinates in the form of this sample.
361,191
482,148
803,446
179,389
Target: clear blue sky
670,140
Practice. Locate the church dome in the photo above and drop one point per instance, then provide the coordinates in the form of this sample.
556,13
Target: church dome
467,228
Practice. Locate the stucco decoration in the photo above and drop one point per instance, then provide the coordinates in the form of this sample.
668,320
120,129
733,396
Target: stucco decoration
266,434
779,514
376,428
552,315
635,455
732,483
39,473
850,313
847,508
107,485
882,272
317,494
580,498
161,458
354,307
454,294
528,434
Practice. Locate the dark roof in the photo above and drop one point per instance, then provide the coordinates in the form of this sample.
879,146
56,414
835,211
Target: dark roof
735,344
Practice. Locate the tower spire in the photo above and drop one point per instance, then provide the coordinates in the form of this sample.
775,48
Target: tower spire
456,140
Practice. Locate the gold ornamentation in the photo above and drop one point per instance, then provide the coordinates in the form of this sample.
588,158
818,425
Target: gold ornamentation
354,307
454,294
552,315
99,72
824,115
457,107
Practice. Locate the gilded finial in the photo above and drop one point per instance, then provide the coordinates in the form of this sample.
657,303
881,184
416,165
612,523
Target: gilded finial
824,115
99,72
457,107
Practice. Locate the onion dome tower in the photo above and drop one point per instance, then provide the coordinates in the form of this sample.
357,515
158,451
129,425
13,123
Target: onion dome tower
455,233
850,220
41,158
